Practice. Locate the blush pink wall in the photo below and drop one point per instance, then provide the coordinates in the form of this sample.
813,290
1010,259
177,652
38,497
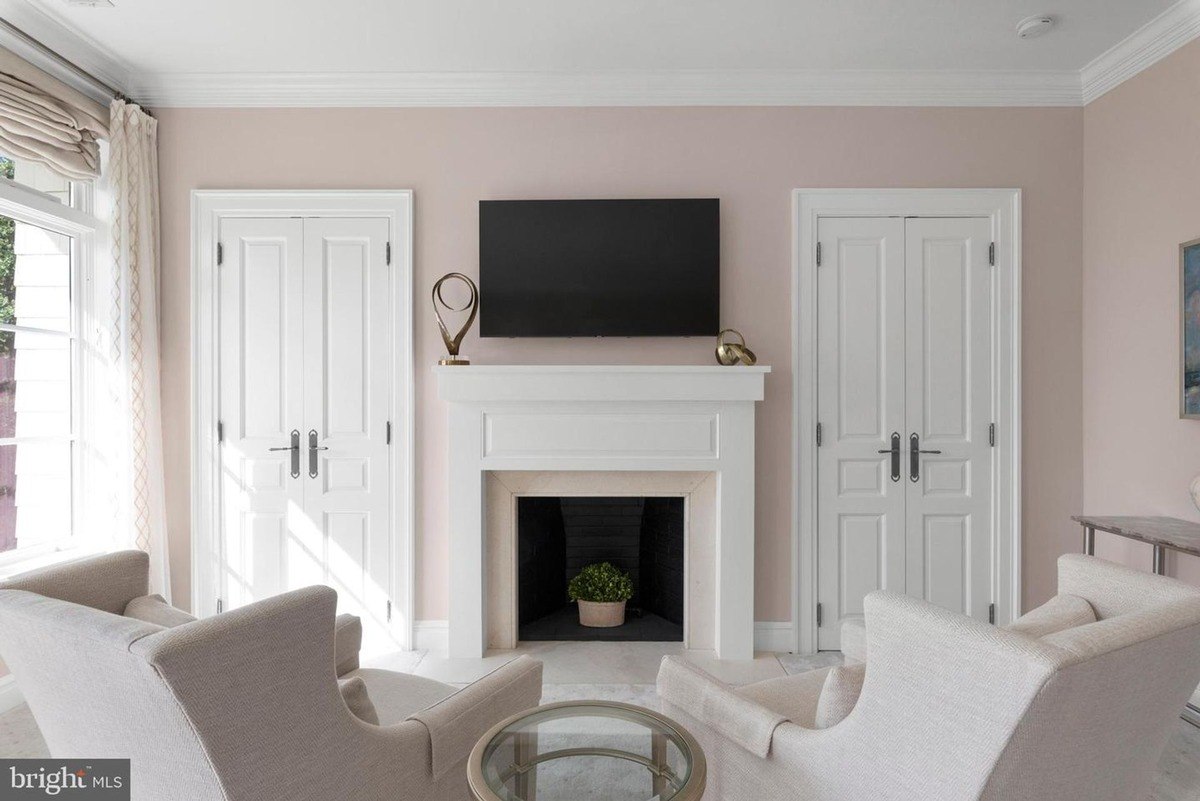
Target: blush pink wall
749,157
1141,199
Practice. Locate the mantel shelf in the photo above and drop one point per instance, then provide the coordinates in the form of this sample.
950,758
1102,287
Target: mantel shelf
674,383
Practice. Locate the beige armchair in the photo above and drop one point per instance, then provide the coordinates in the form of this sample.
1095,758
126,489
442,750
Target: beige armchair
956,710
243,706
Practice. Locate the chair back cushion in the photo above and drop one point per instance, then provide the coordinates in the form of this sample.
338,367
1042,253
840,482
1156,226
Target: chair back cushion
1059,613
839,694
358,700
155,609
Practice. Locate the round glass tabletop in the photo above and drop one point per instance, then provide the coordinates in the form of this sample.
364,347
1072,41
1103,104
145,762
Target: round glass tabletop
580,750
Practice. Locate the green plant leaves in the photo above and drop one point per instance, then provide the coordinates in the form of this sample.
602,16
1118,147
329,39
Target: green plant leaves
601,583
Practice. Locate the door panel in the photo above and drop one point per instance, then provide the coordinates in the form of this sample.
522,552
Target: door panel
306,345
347,397
860,319
948,283
905,347
261,296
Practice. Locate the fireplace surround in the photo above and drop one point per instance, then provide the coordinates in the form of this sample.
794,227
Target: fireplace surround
587,427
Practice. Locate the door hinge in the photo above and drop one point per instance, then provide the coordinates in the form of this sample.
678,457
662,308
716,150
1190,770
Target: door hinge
389,432
388,252
220,254
818,254
220,606
818,435
389,611
820,616
992,254
992,434
992,614
220,431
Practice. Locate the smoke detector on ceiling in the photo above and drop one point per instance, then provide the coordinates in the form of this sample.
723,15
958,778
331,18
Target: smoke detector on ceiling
1035,26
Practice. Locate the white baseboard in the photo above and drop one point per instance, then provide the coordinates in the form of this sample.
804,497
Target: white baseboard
10,694
774,636
432,636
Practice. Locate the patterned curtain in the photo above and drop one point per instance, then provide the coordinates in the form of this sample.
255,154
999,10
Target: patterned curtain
132,176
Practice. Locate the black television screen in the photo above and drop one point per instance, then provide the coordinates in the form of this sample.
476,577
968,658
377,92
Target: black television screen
582,268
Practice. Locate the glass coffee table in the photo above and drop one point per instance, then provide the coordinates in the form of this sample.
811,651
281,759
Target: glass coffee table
581,750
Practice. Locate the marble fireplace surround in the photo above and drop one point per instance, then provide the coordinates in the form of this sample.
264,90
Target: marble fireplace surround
603,430
699,491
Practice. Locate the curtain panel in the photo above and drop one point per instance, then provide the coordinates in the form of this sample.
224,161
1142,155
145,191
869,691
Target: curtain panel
131,178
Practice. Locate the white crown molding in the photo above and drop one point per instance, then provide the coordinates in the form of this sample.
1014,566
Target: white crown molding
45,26
1149,44
1160,37
673,88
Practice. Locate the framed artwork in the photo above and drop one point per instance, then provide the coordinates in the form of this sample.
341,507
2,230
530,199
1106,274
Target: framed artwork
1189,328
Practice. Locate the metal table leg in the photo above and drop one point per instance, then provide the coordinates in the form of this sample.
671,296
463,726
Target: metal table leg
1160,560
526,750
658,755
1089,541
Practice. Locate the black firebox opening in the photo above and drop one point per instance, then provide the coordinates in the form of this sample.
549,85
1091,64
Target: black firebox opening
557,537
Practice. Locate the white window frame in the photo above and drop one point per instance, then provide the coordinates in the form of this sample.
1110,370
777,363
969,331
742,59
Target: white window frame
27,205
209,207
1003,208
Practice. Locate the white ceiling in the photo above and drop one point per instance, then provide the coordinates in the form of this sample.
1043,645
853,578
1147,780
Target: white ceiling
152,44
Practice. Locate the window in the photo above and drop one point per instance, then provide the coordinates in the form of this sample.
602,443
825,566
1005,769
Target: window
42,236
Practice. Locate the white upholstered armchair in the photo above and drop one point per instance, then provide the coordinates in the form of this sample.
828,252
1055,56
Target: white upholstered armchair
956,710
243,706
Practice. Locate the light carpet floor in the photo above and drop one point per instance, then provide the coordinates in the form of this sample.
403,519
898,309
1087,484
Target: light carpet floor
631,666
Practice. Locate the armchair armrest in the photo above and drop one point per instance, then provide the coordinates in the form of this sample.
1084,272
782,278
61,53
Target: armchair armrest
456,723
713,703
347,642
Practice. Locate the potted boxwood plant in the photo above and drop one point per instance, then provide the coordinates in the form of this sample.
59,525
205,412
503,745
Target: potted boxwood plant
601,591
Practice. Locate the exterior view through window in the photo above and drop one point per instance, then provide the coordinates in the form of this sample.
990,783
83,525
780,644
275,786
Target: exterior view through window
37,355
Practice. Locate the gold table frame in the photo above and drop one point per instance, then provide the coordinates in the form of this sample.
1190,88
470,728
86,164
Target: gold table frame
526,757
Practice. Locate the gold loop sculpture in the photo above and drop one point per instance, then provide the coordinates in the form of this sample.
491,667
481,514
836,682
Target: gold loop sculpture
472,303
731,353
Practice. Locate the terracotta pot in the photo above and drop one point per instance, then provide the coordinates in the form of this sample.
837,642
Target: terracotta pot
601,615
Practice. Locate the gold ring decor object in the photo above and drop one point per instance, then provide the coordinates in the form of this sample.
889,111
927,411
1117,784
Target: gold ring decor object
452,343
731,353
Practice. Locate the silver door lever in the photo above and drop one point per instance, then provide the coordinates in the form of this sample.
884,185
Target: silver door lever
313,447
914,457
895,453
295,449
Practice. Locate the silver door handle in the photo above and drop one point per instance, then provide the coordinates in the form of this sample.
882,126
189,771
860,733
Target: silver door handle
914,457
313,447
895,453
295,449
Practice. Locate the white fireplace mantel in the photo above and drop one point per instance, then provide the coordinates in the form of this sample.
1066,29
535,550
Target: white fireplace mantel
597,418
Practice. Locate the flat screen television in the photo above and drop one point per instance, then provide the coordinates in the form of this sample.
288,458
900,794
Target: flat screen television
595,268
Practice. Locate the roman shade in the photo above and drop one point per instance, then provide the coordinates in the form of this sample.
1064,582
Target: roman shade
45,121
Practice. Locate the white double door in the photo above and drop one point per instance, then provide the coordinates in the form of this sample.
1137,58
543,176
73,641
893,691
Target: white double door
305,392
905,466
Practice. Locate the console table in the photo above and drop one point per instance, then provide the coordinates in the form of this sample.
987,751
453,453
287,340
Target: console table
1162,533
